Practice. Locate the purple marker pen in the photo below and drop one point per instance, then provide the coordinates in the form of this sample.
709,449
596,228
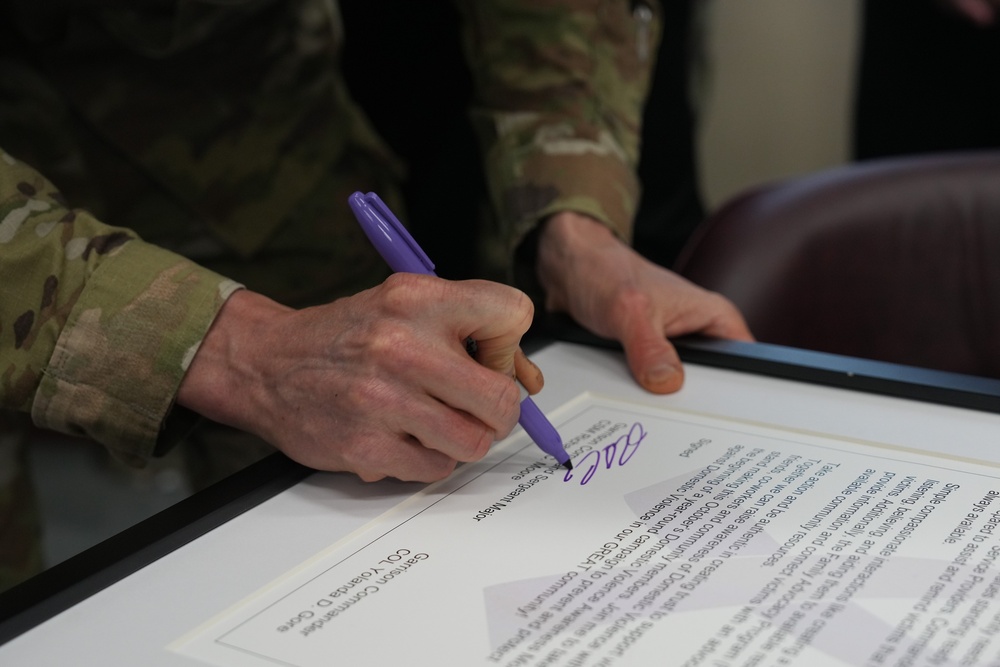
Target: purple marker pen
402,254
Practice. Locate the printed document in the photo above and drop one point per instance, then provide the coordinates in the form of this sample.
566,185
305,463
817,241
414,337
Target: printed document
677,539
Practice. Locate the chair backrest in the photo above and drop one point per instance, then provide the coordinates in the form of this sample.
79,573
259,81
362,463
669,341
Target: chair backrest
896,260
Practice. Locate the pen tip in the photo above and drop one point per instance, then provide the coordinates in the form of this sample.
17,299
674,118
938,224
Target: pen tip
568,464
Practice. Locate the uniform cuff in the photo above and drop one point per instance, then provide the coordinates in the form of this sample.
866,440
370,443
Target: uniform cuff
116,367
539,169
597,183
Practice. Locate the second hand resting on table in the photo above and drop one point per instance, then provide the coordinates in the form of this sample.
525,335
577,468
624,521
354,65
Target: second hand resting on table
613,291
381,384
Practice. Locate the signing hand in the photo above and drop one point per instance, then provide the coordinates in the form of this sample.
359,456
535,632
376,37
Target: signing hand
380,384
612,290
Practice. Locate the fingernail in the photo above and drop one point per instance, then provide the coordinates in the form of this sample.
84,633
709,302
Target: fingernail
661,374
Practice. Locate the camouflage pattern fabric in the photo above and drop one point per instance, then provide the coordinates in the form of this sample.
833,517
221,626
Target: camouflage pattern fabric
560,89
155,156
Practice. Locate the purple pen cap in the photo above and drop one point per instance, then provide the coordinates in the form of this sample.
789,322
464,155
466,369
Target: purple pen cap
388,235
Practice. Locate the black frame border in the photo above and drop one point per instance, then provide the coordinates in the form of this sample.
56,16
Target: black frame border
65,584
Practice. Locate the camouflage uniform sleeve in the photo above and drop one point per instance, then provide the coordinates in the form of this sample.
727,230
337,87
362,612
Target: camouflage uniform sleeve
560,86
97,327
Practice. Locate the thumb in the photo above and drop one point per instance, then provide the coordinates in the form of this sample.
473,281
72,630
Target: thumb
651,358
528,374
498,354
495,317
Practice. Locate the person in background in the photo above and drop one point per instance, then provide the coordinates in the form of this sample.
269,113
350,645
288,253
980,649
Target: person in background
178,262
927,75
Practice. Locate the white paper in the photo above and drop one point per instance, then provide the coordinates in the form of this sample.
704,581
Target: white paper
678,539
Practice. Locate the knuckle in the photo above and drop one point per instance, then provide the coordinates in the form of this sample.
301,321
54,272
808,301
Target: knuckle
365,458
471,437
400,292
391,345
630,302
438,471
479,445
523,307
367,395
386,337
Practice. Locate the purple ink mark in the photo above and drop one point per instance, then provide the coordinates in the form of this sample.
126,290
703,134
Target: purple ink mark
623,451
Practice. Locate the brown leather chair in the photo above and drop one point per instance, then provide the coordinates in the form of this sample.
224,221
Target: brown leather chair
896,260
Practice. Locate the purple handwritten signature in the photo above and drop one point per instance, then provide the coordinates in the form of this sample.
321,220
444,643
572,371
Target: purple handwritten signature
620,451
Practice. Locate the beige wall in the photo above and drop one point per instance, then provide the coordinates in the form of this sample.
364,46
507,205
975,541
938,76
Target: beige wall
775,91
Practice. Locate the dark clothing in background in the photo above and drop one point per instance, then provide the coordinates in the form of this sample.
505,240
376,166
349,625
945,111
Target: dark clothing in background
927,81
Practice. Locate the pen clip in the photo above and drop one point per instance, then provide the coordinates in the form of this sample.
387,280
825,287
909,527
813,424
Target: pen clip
397,241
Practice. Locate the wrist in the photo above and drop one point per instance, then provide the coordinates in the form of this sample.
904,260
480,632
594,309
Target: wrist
225,375
563,243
